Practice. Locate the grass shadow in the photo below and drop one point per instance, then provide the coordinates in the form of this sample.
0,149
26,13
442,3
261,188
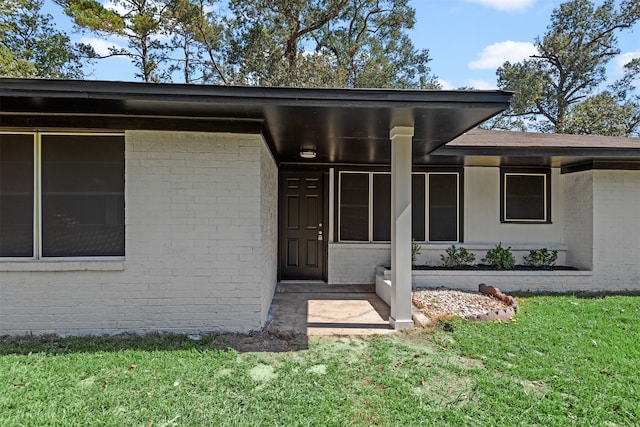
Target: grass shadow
56,345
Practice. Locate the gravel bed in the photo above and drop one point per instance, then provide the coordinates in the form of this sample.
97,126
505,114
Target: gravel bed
436,304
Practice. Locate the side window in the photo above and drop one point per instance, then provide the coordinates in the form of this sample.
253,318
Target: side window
525,196
77,207
365,206
354,207
82,196
16,195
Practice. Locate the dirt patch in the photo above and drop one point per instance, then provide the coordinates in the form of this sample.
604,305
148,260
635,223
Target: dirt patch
261,342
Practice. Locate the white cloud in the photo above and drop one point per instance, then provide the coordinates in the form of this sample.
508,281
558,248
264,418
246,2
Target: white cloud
482,84
623,59
445,84
496,54
116,6
505,5
101,46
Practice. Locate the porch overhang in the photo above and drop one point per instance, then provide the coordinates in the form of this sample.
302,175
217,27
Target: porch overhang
341,126
348,126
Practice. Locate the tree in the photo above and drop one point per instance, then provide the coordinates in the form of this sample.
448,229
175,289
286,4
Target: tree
569,68
198,34
267,39
141,22
371,48
321,43
30,45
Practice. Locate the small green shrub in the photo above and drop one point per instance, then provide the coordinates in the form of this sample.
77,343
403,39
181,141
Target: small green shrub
500,257
541,258
457,256
415,250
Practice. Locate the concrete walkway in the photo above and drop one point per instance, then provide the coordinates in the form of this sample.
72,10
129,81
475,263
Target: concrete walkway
317,309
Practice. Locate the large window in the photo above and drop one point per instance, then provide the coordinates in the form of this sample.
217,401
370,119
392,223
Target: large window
16,195
365,206
61,195
525,196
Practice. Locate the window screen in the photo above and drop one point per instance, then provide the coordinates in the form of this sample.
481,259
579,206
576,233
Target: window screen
16,195
354,206
525,197
418,207
443,207
82,195
382,207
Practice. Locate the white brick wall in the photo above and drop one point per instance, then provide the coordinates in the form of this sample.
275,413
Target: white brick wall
200,246
578,226
616,225
482,211
269,221
355,263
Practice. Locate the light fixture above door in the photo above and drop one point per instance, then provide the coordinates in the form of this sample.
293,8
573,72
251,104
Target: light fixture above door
308,153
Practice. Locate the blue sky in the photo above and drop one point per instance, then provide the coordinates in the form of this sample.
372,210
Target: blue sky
467,39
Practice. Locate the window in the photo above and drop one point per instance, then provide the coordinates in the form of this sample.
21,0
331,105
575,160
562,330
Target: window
354,206
525,196
16,195
67,200
365,206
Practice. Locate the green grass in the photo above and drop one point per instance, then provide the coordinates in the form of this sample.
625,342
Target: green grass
563,361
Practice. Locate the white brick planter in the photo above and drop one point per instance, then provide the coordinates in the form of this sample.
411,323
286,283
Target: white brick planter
507,281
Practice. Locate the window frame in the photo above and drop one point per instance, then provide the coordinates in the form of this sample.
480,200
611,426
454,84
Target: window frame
369,206
427,205
37,254
445,171
543,172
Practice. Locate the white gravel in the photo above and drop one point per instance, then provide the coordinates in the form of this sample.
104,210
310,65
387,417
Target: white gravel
436,304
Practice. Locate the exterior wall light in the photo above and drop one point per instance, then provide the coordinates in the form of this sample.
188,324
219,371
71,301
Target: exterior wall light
308,153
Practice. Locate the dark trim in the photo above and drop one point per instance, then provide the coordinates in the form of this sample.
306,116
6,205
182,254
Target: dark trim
325,216
97,89
600,165
201,124
537,151
461,205
511,170
417,169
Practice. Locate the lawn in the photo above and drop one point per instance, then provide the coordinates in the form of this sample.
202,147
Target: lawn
563,360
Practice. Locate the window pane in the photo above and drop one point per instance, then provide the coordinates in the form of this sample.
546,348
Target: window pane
525,197
82,195
443,207
354,206
417,208
16,195
382,207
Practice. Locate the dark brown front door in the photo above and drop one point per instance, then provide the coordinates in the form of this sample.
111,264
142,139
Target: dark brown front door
302,239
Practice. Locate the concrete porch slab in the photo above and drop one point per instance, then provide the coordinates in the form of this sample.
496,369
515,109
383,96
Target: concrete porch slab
321,310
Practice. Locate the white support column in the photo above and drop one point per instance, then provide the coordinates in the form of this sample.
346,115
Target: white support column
401,161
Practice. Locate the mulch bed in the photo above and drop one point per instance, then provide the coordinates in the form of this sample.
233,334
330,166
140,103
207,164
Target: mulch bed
483,267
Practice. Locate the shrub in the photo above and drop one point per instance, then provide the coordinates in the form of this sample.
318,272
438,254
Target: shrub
541,258
415,250
500,257
457,256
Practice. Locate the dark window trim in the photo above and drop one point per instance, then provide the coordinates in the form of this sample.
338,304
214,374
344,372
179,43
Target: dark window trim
600,165
38,193
416,170
546,172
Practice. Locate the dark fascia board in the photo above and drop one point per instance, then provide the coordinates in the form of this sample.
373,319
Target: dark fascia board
601,165
189,124
538,151
312,97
